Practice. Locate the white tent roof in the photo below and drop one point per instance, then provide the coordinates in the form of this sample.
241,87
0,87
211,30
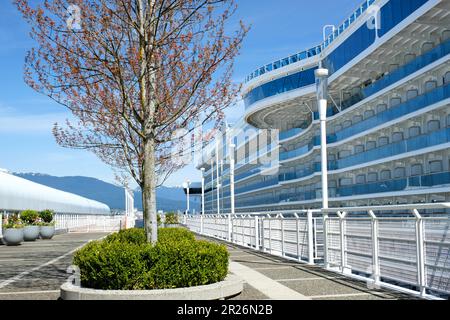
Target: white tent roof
18,194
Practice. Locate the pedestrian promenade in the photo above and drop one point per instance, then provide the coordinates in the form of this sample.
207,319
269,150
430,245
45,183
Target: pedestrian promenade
35,270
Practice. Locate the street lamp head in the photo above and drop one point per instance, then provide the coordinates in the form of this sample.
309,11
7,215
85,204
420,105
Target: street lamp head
321,73
202,169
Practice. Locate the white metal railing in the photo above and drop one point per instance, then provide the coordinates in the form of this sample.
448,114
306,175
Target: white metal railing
402,247
90,223
291,234
84,222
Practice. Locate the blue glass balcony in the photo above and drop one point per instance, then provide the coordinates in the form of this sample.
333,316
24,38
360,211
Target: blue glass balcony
402,109
318,49
389,150
400,73
393,113
431,180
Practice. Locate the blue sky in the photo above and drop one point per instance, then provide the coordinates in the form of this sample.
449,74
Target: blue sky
279,28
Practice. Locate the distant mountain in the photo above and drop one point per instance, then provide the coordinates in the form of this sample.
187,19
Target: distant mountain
167,198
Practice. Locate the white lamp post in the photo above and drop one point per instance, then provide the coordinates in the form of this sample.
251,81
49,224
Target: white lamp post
186,186
217,177
322,92
203,190
232,208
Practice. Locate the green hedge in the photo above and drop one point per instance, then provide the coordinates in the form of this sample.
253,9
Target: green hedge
171,218
124,261
137,236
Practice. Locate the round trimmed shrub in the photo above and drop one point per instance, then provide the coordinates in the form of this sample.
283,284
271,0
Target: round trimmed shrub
124,261
46,216
112,265
29,217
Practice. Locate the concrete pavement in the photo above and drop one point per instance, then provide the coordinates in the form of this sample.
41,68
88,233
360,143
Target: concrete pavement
35,270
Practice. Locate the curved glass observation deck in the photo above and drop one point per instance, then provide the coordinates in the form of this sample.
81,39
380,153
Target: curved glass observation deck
391,14
312,51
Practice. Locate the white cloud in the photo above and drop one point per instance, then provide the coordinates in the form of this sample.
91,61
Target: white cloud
27,124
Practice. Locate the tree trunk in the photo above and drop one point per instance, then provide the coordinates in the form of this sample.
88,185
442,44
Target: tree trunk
149,192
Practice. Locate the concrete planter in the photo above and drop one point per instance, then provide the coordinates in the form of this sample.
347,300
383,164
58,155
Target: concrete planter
171,225
47,232
230,287
30,233
12,237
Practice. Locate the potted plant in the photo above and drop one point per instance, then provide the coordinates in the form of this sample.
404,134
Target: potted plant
47,225
12,230
31,220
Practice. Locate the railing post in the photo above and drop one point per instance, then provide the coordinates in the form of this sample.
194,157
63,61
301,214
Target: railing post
280,218
342,238
420,244
230,228
297,237
375,250
256,233
201,223
325,241
310,237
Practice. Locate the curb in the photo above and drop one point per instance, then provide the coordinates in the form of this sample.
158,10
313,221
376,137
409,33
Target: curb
231,286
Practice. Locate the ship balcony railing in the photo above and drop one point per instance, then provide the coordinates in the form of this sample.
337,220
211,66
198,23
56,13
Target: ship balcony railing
413,144
412,105
400,73
408,183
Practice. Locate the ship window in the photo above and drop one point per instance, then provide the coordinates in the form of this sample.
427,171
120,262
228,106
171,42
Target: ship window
381,107
427,46
359,148
445,35
430,85
416,169
382,141
332,184
433,125
343,154
345,181
368,114
414,131
361,179
409,57
435,166
357,119
447,77
399,172
347,124
411,94
397,136
371,145
372,177
396,101
338,128
385,175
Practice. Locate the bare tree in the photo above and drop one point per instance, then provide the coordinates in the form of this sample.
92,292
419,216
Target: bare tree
132,72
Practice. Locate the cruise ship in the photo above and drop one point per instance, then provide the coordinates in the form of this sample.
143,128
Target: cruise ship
388,118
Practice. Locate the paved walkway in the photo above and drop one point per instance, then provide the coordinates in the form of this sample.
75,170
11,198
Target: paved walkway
35,270
269,277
